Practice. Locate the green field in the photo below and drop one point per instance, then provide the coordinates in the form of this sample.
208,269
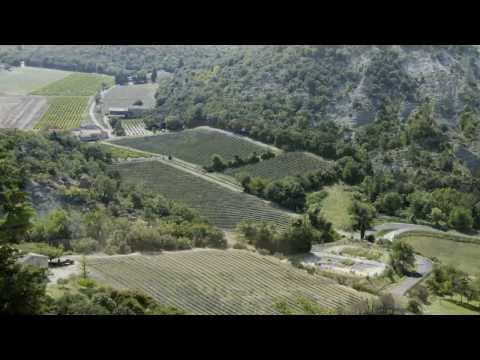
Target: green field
223,207
22,81
64,113
285,164
463,255
335,206
196,146
119,153
76,84
439,306
205,282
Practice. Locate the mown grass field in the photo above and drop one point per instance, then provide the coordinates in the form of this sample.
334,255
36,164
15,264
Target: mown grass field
335,206
223,207
64,113
126,95
196,146
218,282
442,306
76,84
285,164
22,81
463,255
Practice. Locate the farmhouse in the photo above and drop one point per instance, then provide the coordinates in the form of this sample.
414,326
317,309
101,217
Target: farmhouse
126,112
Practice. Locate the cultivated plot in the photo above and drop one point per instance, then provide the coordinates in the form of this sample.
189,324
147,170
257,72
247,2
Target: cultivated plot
22,81
204,282
77,84
64,113
21,112
223,207
285,164
196,146
127,95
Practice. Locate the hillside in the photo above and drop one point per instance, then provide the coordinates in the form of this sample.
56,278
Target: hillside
284,84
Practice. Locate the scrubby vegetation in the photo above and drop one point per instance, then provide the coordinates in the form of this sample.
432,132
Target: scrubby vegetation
93,202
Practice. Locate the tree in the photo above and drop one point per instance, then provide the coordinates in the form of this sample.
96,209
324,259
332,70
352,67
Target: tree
390,203
460,219
17,213
362,215
153,76
402,258
352,172
218,163
173,123
22,289
438,217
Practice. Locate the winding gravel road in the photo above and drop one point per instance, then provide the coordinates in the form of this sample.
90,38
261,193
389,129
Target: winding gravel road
423,266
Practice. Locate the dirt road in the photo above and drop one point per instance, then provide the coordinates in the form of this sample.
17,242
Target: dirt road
423,268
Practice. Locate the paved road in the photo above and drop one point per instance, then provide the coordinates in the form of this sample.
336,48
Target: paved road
424,266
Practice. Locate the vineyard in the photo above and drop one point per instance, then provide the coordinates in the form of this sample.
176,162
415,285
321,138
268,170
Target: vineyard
196,146
135,127
77,84
64,113
205,282
223,207
285,164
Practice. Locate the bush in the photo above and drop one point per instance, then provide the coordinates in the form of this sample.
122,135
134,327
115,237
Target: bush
460,219
414,306
84,246
240,246
370,238
86,283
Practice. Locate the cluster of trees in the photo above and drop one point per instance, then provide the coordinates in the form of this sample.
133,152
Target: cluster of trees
117,127
219,164
297,238
291,191
133,60
100,212
402,258
449,281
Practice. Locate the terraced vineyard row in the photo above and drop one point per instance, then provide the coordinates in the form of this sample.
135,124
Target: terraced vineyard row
76,84
196,146
223,207
285,164
220,282
64,113
135,127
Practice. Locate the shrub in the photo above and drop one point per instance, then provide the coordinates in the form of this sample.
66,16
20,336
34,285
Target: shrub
414,306
240,246
460,219
84,246
370,238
